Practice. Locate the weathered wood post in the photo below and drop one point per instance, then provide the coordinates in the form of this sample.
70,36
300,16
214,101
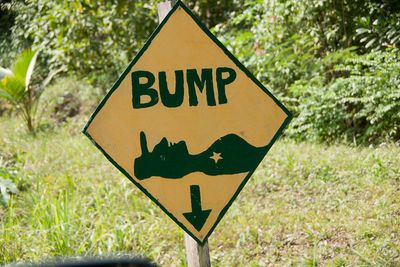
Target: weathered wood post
197,256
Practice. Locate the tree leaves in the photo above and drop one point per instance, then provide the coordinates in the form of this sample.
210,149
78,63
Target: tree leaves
363,105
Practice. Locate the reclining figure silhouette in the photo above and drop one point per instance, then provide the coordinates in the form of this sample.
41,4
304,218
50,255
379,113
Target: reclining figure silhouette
230,154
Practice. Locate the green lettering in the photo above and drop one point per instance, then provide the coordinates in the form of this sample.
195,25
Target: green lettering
143,89
222,82
168,99
206,81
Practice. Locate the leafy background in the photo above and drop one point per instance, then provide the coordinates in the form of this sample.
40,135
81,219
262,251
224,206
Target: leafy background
331,61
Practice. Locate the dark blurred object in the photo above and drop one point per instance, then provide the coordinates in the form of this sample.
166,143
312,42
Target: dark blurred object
67,106
92,262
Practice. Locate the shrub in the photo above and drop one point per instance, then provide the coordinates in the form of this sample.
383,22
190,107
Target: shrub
362,105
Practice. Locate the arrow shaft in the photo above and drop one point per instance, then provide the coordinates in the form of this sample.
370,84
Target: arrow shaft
195,197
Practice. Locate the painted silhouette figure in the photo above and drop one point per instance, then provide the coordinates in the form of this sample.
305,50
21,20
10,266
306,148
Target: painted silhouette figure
230,154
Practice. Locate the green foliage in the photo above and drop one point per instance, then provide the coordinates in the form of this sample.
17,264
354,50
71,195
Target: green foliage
294,47
8,13
284,41
212,12
91,38
17,90
94,39
361,105
379,27
18,87
297,48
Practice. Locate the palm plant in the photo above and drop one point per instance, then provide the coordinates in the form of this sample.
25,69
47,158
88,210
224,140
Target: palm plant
16,87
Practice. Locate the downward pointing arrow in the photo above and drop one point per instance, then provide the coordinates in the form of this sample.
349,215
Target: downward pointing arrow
197,217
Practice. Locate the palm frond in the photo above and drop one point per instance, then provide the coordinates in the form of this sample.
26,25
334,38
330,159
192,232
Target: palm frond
21,64
29,71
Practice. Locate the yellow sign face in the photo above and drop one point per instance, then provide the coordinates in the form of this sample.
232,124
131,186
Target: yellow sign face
187,123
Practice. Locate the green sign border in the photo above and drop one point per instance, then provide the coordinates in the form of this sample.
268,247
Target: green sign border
179,4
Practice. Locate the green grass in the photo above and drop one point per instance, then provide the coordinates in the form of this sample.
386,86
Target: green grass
308,205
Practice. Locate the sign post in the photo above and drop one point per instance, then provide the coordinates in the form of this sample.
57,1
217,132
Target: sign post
188,124
196,255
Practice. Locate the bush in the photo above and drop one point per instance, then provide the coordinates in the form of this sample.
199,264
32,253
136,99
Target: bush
283,41
309,53
362,105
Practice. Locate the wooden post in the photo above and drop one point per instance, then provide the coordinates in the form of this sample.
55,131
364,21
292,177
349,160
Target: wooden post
163,8
197,256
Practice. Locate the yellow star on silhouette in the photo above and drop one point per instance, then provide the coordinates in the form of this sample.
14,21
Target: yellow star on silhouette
216,157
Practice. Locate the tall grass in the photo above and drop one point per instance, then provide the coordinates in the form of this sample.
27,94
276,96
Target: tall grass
305,205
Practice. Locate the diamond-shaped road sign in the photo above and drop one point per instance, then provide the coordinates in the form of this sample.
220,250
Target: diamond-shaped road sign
187,123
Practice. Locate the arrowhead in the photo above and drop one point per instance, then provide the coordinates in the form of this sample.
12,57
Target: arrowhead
197,218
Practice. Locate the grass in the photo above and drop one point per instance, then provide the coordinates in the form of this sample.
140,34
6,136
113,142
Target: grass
307,204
